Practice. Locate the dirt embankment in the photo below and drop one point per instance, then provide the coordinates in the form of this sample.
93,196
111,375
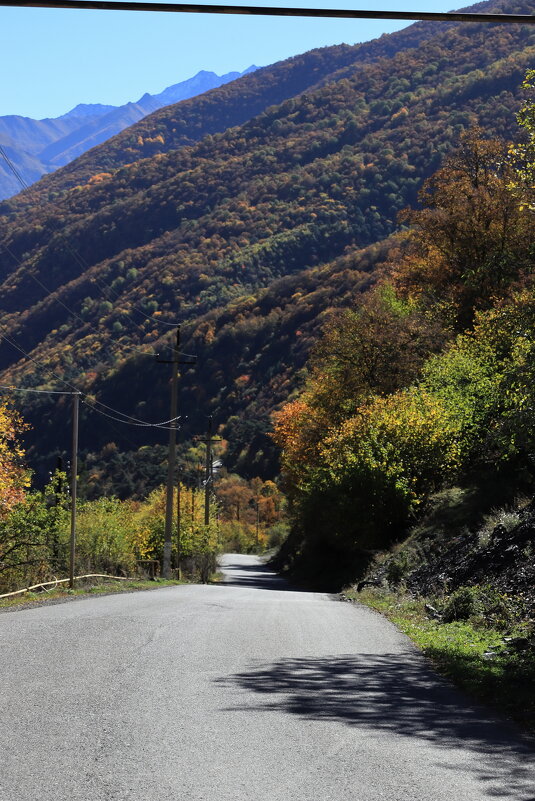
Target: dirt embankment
431,562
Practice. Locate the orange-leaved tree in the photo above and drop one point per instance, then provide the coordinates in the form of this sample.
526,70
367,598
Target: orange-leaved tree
472,238
14,477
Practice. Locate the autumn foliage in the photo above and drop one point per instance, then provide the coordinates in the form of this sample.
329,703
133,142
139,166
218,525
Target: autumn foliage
13,474
429,379
246,214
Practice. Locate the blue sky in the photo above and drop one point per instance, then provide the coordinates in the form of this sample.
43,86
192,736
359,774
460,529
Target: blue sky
53,59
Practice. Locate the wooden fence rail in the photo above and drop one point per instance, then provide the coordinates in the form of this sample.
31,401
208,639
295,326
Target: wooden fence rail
55,583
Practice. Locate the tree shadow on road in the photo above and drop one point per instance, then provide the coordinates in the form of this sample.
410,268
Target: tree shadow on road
255,576
396,693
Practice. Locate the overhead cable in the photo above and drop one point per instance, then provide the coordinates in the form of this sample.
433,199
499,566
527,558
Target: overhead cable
125,418
76,256
74,314
271,11
39,391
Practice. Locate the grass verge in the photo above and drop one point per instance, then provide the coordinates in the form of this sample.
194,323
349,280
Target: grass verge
478,658
32,599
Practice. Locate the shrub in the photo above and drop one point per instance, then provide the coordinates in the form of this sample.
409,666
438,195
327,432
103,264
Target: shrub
33,543
104,542
462,604
277,534
398,567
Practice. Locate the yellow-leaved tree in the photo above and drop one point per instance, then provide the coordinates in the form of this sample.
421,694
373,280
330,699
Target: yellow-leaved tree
14,477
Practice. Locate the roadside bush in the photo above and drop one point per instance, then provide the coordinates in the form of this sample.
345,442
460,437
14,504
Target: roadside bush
277,534
241,537
104,542
398,567
33,543
484,605
462,604
376,469
508,517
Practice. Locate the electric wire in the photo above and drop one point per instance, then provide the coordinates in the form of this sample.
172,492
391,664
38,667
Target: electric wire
125,418
39,391
122,434
40,364
271,11
102,285
165,424
74,314
161,426
12,167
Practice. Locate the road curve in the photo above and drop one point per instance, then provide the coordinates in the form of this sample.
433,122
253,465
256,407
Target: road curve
243,691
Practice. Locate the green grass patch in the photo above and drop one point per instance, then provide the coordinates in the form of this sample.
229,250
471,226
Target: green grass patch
471,654
102,588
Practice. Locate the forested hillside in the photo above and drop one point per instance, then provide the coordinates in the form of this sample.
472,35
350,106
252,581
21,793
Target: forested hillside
214,112
249,237
36,147
426,382
408,456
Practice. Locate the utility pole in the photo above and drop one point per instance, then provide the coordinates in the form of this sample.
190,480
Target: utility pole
171,459
74,471
166,567
208,474
209,469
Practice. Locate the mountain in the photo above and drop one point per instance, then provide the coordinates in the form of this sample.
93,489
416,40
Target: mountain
37,147
197,85
249,233
87,110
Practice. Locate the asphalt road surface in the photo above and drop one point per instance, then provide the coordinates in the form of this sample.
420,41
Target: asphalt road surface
246,691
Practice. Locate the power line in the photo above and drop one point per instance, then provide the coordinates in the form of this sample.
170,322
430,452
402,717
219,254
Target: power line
270,11
40,364
134,420
12,167
50,292
161,426
76,256
102,285
39,391
165,424
125,418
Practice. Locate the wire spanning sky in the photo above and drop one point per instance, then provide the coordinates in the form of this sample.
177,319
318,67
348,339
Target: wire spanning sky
52,59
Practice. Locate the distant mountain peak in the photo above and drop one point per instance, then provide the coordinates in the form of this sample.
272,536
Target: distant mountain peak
43,145
202,82
87,110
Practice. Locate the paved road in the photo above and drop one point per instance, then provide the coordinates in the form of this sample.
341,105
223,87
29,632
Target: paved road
246,691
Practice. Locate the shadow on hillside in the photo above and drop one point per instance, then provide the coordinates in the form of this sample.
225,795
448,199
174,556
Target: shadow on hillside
397,693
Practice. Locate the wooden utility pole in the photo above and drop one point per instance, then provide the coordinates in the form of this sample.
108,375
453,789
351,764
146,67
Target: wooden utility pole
208,473
208,470
171,458
74,471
